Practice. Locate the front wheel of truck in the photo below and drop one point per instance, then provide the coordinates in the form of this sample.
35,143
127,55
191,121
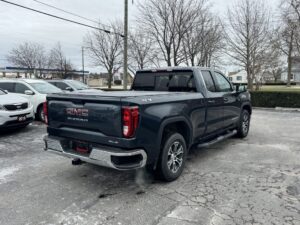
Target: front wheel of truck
244,124
173,157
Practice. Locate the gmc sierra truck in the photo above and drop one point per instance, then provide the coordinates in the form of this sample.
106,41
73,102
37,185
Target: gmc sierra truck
166,112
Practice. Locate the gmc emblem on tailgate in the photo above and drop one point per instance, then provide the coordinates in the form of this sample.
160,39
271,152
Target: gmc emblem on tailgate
77,112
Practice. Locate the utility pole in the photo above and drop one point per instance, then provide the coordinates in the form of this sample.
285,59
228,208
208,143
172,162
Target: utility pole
82,51
125,45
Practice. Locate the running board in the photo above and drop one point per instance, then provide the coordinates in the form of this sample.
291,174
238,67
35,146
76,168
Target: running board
218,139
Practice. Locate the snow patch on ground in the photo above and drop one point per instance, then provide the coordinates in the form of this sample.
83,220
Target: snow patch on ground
6,173
75,215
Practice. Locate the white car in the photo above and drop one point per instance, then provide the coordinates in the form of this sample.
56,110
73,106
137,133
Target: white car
72,85
15,111
34,90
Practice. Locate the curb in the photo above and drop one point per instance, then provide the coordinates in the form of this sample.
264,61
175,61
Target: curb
279,109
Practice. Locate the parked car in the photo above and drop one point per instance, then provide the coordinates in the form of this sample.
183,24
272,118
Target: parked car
34,90
154,125
71,85
15,111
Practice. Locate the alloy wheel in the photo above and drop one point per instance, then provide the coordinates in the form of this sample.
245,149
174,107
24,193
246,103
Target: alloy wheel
175,157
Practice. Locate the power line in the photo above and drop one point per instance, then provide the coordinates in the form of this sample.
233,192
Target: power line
61,18
71,13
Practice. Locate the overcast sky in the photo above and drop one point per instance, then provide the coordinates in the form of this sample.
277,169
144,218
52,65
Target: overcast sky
18,25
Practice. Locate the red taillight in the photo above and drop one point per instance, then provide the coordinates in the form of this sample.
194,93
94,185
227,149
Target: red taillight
45,109
130,120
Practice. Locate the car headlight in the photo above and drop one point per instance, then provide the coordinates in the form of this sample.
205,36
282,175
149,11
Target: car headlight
2,108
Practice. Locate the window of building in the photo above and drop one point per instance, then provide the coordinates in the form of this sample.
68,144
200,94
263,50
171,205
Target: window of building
239,78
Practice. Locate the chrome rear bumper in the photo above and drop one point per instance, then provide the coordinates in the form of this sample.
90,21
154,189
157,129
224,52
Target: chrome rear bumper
100,155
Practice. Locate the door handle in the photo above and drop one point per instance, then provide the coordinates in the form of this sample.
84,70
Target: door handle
211,101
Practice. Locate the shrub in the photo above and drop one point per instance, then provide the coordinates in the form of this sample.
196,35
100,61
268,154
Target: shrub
112,89
270,99
280,84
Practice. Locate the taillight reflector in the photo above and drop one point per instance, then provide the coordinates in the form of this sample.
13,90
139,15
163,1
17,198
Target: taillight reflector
45,109
130,120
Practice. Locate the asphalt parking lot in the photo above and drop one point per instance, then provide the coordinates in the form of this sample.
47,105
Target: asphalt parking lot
251,181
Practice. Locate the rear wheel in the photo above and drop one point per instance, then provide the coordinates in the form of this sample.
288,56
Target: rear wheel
244,124
40,114
173,157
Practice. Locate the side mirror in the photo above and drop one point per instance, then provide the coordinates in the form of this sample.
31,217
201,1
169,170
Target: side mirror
69,89
29,92
240,88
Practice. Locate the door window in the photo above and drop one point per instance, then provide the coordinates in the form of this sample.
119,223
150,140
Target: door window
222,84
20,88
7,86
61,85
208,81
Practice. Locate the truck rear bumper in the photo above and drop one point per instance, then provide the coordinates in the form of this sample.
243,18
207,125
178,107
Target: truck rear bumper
118,159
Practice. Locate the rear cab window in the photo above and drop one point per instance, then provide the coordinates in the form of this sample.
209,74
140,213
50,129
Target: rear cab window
166,81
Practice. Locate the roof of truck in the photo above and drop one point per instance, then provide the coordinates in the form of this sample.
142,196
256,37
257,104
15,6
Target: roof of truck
178,68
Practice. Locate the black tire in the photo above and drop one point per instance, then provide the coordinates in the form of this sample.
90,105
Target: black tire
244,124
173,156
40,114
23,126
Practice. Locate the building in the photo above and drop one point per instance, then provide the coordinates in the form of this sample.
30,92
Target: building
267,77
238,77
295,77
18,72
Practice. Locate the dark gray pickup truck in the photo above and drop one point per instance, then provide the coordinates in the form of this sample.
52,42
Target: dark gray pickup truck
166,112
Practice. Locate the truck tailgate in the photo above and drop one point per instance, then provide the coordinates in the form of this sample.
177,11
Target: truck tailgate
90,113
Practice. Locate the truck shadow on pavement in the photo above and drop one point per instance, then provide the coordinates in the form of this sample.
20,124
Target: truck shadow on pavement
137,182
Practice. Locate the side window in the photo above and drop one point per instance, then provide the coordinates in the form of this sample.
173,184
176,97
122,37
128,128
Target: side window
20,88
61,85
208,81
7,86
222,84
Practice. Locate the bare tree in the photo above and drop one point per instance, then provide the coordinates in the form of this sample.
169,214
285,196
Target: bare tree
203,43
275,62
106,49
295,5
168,22
141,49
248,36
29,55
289,32
57,60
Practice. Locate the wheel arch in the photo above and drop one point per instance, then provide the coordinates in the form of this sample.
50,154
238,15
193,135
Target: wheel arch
179,124
248,108
37,107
